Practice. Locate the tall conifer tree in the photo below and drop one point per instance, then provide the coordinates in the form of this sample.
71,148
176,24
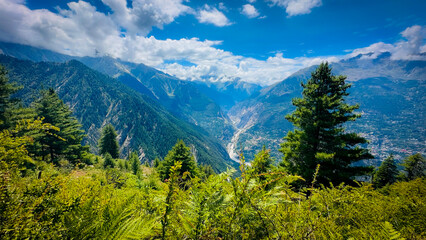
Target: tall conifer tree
134,162
414,167
67,142
320,136
180,152
386,174
108,142
6,101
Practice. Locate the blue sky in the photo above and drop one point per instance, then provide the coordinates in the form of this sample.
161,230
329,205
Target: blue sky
261,41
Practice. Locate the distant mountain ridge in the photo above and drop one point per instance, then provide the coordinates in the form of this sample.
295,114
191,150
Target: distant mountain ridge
391,95
96,99
246,116
182,98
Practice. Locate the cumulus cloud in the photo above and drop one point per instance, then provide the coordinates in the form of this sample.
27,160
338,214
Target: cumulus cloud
213,16
250,11
144,14
296,7
272,70
412,48
80,30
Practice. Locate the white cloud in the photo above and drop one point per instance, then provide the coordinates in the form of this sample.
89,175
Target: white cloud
296,7
222,7
212,15
409,49
414,45
272,70
83,31
250,11
144,14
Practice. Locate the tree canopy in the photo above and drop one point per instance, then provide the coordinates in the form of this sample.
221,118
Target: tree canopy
262,164
134,162
386,174
108,142
414,167
66,141
179,152
6,101
320,136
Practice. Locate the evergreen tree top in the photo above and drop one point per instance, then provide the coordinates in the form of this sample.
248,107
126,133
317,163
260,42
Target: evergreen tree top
320,137
67,141
108,142
180,152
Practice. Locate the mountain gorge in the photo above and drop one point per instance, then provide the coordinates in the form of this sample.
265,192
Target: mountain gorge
236,115
182,98
390,93
96,99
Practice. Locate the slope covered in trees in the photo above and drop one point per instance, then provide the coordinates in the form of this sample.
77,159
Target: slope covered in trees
184,99
97,100
106,198
390,94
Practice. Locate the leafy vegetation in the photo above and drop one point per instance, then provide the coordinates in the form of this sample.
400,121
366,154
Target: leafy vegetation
6,103
97,197
414,167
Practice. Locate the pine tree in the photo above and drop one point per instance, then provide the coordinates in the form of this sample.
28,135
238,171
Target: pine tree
414,167
65,143
6,101
134,162
386,174
181,153
320,137
108,142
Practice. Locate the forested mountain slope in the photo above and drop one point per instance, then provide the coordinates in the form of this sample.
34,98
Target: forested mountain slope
96,99
182,98
391,95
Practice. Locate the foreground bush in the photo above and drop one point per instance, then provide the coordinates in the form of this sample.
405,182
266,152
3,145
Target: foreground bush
85,204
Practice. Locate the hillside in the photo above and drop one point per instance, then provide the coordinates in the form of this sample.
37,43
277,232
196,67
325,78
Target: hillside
391,95
182,98
96,99
244,116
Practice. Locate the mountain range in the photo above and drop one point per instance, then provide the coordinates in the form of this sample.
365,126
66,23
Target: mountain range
182,98
97,99
391,95
235,115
